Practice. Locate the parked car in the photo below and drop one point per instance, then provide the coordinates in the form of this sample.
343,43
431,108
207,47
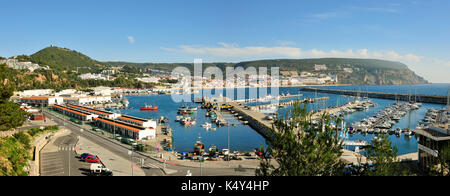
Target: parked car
100,170
84,155
92,159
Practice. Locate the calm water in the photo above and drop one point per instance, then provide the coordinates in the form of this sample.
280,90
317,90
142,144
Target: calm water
243,138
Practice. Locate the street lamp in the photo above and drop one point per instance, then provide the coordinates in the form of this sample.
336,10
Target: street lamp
130,152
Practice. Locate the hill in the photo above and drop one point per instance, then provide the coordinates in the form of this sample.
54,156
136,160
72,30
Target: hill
349,71
63,73
64,59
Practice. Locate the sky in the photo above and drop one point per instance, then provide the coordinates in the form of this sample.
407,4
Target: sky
414,32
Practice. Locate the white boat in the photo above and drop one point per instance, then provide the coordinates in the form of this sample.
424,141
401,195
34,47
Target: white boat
207,125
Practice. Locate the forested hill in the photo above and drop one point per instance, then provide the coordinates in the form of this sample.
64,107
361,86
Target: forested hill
63,59
65,64
349,71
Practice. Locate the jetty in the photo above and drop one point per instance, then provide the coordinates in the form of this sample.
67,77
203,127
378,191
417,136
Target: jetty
287,103
381,95
254,119
268,98
220,119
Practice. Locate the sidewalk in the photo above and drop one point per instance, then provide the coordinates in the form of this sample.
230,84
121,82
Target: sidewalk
119,165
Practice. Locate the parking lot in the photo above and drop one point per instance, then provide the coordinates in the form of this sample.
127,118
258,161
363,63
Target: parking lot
58,158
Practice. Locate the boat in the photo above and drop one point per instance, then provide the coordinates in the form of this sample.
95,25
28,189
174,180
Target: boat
178,118
199,147
149,108
269,117
183,109
192,109
207,125
188,121
409,133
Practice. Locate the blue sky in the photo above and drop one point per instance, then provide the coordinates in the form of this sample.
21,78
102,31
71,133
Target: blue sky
414,32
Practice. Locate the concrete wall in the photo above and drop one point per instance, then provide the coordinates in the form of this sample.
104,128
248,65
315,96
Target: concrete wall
380,95
262,129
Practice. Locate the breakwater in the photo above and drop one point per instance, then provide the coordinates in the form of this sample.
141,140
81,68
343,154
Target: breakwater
381,95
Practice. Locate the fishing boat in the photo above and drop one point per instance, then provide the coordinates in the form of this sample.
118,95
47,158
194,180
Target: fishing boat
183,110
199,147
149,108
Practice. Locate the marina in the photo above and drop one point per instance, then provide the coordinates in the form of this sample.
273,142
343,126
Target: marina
247,138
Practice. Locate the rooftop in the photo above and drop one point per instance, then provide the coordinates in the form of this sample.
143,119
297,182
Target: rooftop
70,110
125,126
135,119
35,98
90,109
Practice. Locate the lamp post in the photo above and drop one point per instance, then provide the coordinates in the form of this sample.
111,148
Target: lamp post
130,152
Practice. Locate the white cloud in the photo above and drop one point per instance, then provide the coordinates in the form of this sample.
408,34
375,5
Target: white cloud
434,70
233,51
131,39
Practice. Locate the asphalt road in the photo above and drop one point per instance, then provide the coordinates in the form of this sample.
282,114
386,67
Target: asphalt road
58,158
152,167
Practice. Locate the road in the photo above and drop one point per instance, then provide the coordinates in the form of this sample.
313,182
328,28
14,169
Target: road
152,167
58,158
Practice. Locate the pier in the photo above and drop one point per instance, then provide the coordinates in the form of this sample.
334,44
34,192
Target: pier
287,104
380,95
254,119
220,119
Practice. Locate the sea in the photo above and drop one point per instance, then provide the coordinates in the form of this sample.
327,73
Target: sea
242,138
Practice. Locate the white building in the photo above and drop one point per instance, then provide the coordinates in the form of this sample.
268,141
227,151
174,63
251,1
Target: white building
103,91
36,93
320,67
42,101
91,76
89,100
126,129
348,70
67,92
148,79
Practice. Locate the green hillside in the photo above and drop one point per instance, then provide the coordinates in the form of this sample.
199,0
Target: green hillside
64,59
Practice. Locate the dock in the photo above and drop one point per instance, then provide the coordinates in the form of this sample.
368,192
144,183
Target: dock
380,95
254,119
288,103
356,143
220,119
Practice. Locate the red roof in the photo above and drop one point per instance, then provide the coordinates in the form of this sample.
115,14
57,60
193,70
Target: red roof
135,120
67,109
119,125
35,98
92,110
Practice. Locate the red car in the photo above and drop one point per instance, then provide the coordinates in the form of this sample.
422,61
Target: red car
92,159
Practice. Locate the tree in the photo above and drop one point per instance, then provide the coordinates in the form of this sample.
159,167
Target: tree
302,149
384,159
442,168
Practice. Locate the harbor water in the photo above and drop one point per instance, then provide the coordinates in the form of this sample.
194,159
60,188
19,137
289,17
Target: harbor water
244,138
